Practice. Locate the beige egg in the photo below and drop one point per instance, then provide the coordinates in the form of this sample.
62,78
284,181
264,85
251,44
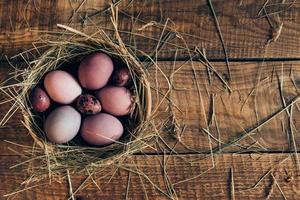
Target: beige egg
101,129
95,70
62,124
62,87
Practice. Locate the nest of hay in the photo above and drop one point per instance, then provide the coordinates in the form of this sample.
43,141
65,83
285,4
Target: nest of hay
153,112
139,127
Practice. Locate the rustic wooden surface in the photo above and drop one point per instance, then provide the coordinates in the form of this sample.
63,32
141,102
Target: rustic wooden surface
254,81
245,33
213,185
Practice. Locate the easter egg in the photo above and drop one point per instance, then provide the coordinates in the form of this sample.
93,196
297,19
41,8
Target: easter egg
62,87
95,70
39,100
117,101
121,77
88,104
62,124
101,129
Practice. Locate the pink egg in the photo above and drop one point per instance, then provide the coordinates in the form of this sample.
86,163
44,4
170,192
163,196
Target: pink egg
121,77
62,87
101,129
62,124
115,100
39,100
95,70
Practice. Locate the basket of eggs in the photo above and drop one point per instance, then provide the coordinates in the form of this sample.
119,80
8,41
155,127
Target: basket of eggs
91,102
86,100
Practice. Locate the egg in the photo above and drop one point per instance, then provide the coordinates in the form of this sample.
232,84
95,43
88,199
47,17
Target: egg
95,70
101,129
121,77
88,104
117,101
62,87
39,100
62,124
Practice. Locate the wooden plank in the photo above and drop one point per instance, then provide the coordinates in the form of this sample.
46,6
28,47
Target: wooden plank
234,112
245,34
215,184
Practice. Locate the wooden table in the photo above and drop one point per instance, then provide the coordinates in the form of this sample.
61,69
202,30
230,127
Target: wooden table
260,113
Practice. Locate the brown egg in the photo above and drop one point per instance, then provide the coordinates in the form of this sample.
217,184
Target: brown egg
88,104
121,77
95,70
62,124
62,87
39,100
101,129
117,101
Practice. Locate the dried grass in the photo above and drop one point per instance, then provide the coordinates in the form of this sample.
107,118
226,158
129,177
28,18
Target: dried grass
71,44
146,122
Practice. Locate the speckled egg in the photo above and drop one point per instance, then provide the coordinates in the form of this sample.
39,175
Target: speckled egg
39,100
88,104
121,77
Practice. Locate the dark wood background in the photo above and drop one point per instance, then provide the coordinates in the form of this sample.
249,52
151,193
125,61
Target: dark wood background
261,76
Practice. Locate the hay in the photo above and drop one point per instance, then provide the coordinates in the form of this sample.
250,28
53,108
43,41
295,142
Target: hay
48,161
69,46
146,123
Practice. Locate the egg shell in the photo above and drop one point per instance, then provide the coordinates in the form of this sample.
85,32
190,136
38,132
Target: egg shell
88,104
39,100
121,77
62,87
62,124
115,100
95,70
101,129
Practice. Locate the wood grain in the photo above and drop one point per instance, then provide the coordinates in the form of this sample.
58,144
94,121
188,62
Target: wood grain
245,33
212,185
234,111
259,89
